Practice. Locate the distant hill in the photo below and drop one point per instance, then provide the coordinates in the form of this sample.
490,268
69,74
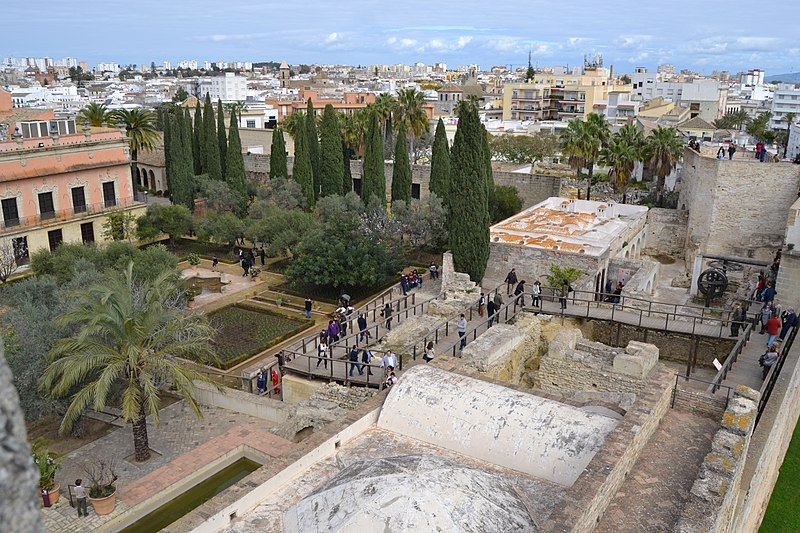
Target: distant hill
791,77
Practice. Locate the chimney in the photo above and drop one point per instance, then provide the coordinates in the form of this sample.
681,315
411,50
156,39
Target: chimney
601,211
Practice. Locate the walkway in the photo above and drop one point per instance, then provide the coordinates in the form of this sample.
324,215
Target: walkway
654,493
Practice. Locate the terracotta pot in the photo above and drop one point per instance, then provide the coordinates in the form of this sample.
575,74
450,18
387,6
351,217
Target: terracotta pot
54,493
104,505
194,267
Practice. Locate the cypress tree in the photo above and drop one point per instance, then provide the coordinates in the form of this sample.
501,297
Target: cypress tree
331,166
302,171
181,161
487,162
401,174
187,122
277,156
213,167
347,176
197,143
468,220
440,164
312,141
223,142
187,160
373,180
236,178
168,149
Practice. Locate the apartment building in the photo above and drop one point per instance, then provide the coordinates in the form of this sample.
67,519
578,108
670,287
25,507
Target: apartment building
786,99
619,109
558,96
58,184
704,98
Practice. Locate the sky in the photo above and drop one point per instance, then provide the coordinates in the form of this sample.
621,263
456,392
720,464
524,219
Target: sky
698,34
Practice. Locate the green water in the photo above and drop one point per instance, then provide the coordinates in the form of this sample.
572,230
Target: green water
192,498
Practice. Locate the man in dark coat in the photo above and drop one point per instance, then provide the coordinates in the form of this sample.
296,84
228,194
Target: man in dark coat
511,281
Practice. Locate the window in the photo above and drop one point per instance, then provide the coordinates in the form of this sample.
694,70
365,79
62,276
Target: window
357,186
46,208
251,123
109,196
10,213
415,191
55,238
87,232
78,200
21,254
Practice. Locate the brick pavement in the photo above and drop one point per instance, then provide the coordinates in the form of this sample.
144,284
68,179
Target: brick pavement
179,432
652,497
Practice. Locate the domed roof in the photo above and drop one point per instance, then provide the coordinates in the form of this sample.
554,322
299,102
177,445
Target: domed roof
412,493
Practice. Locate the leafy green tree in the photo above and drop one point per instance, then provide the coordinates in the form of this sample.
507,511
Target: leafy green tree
130,336
224,228
468,220
236,176
732,120
663,150
283,229
280,192
174,220
223,142
401,174
197,140
331,166
524,149
759,128
216,195
303,172
789,118
385,105
421,223
180,166
581,143
440,163
95,114
374,174
213,166
312,143
294,124
507,202
118,225
180,95
559,276
278,165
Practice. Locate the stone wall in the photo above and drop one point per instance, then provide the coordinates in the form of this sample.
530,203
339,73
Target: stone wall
737,207
638,277
345,397
788,284
589,497
712,500
702,403
19,478
238,401
666,231
534,263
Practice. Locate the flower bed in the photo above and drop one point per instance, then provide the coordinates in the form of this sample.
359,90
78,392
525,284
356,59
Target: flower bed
244,331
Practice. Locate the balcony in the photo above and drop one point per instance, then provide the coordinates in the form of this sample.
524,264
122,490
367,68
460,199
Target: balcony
75,213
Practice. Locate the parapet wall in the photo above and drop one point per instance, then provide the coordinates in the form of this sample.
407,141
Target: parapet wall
713,497
589,497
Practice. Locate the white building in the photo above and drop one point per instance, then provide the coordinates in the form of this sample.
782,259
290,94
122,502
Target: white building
785,100
228,88
619,109
752,78
794,140
167,65
107,67
188,64
706,98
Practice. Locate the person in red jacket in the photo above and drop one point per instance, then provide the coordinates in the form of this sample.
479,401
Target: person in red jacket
773,328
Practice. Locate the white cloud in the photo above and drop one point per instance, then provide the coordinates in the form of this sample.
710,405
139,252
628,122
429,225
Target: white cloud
332,38
575,41
632,41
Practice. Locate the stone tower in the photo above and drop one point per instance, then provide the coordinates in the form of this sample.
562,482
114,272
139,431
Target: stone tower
285,74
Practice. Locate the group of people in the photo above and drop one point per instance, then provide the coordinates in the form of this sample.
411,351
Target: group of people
261,380
730,151
410,281
248,258
365,356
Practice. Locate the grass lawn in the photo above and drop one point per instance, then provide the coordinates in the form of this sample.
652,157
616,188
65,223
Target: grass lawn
782,512
244,331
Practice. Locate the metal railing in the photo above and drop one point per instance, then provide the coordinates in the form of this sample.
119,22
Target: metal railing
78,211
732,357
373,374
775,372
729,390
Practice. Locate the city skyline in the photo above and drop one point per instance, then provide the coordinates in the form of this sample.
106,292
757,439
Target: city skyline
355,33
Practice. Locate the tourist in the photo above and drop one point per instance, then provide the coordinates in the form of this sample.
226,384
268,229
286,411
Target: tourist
773,328
562,299
536,293
519,292
731,151
263,254
322,354
308,305
354,361
245,267
362,327
214,263
764,315
343,325
430,353
386,314
366,358
511,281
261,383
777,308
481,304
768,360
404,284
736,319
760,286
434,271
789,318
419,278
333,331
498,300
617,293
491,308
275,381
721,153
391,379
462,330
768,294
80,493
389,362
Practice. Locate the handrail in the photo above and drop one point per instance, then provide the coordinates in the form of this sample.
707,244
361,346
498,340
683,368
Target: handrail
68,214
775,372
734,354
331,362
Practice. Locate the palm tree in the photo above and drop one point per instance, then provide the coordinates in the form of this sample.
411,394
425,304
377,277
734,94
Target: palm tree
235,107
581,143
140,128
385,105
354,129
410,111
572,146
789,118
94,114
131,332
663,149
621,153
294,123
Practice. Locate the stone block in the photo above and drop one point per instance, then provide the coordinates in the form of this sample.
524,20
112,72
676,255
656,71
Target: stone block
719,463
492,349
727,443
740,416
638,360
563,343
743,391
711,488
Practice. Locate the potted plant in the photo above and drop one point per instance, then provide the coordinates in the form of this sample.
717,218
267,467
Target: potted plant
102,491
279,301
48,463
254,272
194,260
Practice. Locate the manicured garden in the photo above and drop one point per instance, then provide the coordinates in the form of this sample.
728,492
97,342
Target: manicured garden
244,331
782,512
